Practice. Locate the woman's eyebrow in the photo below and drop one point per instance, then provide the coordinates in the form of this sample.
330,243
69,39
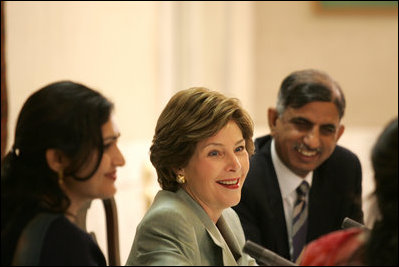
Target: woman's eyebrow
220,144
112,137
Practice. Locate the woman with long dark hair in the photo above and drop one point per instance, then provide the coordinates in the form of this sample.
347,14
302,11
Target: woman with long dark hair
64,155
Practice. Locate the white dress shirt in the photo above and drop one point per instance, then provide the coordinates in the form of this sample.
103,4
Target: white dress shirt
288,182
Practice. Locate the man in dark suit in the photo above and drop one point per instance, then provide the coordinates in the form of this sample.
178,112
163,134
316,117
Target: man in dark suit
305,127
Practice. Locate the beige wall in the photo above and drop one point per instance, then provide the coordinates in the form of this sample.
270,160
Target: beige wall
140,53
108,46
360,51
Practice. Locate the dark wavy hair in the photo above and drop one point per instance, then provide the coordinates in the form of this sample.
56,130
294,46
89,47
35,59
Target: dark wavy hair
190,116
66,116
302,87
382,246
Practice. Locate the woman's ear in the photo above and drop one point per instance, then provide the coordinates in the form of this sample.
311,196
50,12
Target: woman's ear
178,171
56,160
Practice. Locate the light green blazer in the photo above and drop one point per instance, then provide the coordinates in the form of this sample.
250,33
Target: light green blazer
177,231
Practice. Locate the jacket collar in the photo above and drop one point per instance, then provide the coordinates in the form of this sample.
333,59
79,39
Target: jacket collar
221,233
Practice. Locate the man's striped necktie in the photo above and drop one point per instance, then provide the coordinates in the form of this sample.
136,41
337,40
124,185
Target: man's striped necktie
300,220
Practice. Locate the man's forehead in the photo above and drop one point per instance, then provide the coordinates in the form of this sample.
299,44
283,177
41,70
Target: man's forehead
315,112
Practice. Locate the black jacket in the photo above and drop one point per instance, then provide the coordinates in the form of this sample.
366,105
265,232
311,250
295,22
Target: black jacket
335,193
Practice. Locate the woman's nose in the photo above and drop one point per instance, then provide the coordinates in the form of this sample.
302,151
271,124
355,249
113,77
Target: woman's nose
234,163
119,159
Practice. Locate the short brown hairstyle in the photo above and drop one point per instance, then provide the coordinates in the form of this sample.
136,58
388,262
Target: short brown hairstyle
190,116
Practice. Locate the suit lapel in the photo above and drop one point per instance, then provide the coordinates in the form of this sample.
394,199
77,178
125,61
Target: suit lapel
216,236
321,199
274,203
213,231
229,236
